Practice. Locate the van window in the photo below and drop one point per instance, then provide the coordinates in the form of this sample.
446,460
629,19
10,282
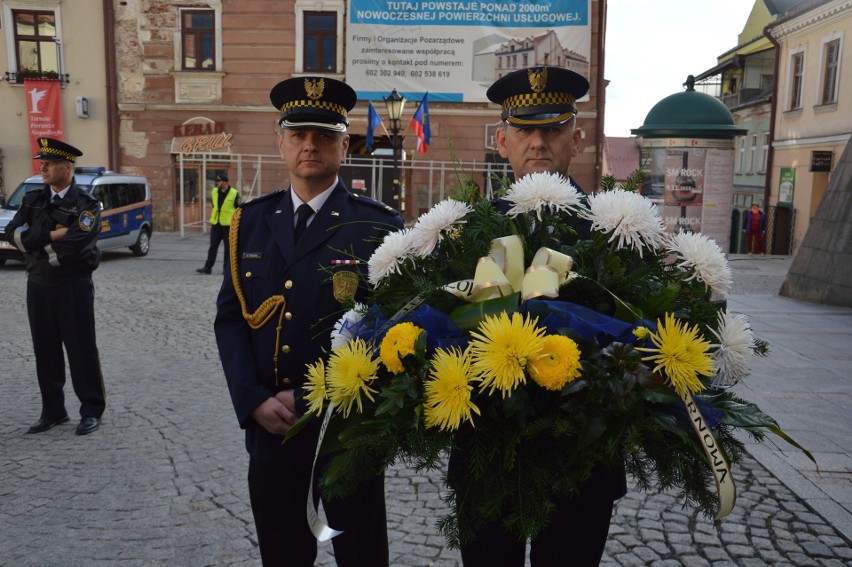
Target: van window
134,193
99,192
115,195
14,202
124,194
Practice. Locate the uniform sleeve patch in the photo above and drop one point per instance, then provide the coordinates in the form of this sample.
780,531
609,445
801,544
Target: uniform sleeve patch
86,221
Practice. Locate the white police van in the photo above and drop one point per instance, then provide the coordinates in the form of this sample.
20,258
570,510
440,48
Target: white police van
125,209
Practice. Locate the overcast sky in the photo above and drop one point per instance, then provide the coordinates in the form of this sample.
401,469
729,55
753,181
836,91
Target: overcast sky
652,45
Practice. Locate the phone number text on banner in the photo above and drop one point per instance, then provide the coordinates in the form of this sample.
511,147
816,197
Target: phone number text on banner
455,50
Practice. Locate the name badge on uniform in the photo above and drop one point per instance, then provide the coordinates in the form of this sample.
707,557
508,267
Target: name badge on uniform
344,285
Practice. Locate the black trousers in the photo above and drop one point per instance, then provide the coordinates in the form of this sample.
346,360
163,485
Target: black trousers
575,537
279,493
64,313
218,233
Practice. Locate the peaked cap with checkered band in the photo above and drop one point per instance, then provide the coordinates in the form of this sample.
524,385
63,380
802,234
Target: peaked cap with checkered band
51,149
313,102
538,96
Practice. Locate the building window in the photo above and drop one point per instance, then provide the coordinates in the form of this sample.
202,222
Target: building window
740,154
320,42
319,24
35,42
752,162
198,39
797,66
829,72
765,162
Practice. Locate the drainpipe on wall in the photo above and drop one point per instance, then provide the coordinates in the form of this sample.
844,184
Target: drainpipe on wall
600,94
111,95
773,106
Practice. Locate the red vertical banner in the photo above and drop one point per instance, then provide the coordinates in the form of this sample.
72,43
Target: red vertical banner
44,112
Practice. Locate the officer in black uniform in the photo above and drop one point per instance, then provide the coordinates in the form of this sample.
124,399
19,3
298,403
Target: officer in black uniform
539,135
275,310
56,229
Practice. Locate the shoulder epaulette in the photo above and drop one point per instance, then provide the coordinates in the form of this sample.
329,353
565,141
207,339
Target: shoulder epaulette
373,203
32,196
261,198
85,195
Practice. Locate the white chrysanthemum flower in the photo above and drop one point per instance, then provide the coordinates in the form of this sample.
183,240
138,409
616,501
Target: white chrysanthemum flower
697,252
341,335
630,217
426,232
536,191
392,252
735,349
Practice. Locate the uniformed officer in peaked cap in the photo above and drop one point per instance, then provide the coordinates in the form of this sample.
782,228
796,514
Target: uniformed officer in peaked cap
56,229
538,96
298,256
539,111
316,102
539,135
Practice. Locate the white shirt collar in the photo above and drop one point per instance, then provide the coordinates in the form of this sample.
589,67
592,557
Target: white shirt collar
61,193
317,202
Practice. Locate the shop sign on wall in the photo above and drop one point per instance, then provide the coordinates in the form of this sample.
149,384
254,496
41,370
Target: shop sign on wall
821,160
201,135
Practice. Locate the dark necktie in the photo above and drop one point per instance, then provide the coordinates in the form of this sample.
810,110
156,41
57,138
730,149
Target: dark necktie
56,199
303,213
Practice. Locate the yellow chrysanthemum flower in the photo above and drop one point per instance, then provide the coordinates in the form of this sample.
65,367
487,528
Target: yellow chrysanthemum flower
397,344
447,393
682,353
558,363
351,368
315,391
502,349
641,333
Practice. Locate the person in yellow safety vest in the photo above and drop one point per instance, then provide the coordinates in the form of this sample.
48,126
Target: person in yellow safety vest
225,201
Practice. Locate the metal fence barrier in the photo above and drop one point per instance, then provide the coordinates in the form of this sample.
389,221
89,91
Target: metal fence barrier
424,182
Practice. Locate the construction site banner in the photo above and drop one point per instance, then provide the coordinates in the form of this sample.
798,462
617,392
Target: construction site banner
456,49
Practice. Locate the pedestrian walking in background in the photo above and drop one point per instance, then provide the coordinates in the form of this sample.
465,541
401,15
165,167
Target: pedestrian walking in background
298,253
225,200
56,229
755,227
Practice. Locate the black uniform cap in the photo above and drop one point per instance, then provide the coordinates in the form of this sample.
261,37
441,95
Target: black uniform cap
221,177
56,150
538,96
313,102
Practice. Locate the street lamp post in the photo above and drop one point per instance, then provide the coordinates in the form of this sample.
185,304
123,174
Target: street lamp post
395,104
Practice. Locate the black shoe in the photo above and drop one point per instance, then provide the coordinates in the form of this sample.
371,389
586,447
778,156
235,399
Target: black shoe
203,270
88,425
44,424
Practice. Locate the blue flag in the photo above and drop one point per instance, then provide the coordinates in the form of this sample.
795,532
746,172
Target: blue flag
420,125
373,120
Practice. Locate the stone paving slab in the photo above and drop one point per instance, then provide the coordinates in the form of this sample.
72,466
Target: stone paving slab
163,482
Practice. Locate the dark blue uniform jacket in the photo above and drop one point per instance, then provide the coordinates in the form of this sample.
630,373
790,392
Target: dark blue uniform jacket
270,263
73,256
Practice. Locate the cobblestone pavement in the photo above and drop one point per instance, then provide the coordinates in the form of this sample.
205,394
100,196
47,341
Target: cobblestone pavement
163,481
